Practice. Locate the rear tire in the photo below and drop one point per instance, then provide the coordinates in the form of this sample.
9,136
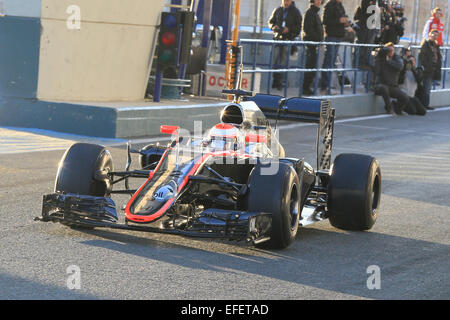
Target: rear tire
280,195
77,169
354,192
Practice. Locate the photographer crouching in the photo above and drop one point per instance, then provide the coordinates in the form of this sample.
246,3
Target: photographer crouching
410,79
388,66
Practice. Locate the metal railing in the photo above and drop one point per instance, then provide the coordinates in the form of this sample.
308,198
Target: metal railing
258,60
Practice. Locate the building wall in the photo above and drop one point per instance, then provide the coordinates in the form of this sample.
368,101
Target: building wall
19,50
107,59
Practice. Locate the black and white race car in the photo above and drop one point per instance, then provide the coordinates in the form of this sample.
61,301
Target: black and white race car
232,182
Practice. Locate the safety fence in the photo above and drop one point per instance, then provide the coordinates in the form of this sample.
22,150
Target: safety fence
259,58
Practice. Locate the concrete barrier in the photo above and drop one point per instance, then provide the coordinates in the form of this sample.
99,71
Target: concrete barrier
131,120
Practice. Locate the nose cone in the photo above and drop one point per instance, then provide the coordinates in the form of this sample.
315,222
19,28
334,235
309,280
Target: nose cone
153,200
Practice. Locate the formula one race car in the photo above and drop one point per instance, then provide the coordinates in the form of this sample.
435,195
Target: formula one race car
233,182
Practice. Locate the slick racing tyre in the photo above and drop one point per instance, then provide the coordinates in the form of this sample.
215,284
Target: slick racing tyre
354,192
79,170
280,195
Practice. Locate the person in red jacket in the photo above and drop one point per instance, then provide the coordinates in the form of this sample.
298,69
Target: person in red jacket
434,23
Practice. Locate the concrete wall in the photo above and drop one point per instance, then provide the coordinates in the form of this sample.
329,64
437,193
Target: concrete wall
19,56
107,59
19,49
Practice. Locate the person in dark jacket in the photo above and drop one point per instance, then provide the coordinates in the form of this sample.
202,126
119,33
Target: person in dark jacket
388,66
393,28
367,31
312,31
409,80
430,59
286,24
336,24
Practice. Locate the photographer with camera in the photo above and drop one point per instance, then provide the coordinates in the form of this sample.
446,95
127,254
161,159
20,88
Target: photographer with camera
336,24
409,81
286,24
393,21
388,66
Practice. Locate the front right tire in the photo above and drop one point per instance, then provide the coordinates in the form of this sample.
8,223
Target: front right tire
280,195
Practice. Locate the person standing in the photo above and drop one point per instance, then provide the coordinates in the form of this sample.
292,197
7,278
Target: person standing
336,24
312,31
430,59
393,24
367,32
434,23
286,24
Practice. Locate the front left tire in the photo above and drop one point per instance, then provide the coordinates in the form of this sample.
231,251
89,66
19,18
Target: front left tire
79,168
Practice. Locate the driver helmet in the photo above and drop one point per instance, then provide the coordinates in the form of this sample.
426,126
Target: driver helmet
223,136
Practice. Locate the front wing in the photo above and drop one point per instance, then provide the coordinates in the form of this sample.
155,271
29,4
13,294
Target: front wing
100,212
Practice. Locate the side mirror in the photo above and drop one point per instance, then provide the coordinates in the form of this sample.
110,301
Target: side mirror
169,129
255,138
282,103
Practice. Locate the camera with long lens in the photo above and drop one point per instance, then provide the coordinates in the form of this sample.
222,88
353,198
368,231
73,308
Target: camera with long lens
398,9
380,52
383,3
351,24
399,12
278,31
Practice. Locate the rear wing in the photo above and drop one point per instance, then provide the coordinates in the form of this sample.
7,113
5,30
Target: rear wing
303,110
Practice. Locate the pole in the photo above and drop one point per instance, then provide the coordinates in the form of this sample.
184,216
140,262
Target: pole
158,85
226,31
258,15
416,18
231,61
447,15
207,12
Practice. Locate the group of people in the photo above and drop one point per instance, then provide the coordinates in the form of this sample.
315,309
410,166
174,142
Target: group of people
395,76
398,77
